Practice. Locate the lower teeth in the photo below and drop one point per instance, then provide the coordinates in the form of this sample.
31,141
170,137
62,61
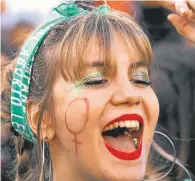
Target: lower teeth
135,140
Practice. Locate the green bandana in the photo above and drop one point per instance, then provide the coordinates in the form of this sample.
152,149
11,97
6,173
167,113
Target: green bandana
22,74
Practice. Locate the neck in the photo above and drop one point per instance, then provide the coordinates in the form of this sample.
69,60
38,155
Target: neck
63,168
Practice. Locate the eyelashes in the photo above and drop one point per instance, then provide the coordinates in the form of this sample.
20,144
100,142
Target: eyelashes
97,80
95,83
141,82
102,82
141,78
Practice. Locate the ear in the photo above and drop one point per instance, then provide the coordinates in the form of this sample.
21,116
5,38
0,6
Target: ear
33,116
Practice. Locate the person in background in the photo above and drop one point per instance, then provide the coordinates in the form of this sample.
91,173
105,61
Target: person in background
2,6
18,35
153,18
184,20
182,16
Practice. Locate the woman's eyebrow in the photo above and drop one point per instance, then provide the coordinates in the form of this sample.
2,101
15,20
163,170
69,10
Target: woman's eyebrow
138,64
96,64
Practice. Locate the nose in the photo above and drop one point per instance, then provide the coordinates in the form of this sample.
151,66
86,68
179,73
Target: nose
126,94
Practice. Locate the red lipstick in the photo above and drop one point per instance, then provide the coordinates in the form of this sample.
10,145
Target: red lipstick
127,155
123,155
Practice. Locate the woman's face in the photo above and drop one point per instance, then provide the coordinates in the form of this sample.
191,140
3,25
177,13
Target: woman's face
104,126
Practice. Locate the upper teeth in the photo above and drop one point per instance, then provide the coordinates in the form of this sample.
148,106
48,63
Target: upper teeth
134,124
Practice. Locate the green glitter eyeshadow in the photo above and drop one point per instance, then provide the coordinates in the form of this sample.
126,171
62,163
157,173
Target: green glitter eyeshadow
80,85
140,75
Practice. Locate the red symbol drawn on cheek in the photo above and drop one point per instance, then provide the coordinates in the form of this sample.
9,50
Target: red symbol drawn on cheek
76,117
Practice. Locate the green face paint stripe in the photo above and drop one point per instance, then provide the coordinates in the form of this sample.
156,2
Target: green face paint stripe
22,73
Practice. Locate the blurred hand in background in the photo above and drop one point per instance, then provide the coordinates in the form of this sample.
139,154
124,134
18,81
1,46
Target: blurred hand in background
183,17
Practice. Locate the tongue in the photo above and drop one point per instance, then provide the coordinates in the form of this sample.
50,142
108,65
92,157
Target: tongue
121,143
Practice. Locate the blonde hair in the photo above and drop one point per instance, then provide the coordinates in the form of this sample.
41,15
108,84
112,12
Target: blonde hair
83,32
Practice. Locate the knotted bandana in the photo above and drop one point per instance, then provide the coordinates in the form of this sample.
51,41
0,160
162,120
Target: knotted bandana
22,74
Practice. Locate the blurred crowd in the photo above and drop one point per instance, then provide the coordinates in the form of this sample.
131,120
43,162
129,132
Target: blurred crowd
173,73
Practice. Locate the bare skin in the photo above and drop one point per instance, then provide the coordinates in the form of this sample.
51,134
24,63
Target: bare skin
81,117
107,101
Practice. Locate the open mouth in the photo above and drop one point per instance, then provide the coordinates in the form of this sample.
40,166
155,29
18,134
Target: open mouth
123,136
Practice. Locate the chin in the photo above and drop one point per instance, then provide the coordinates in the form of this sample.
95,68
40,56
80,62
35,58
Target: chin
123,170
133,173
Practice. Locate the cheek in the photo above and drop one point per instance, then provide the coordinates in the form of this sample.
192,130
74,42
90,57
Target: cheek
76,115
151,105
97,104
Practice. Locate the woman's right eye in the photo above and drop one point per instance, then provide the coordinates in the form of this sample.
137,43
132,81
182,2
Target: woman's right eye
95,83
